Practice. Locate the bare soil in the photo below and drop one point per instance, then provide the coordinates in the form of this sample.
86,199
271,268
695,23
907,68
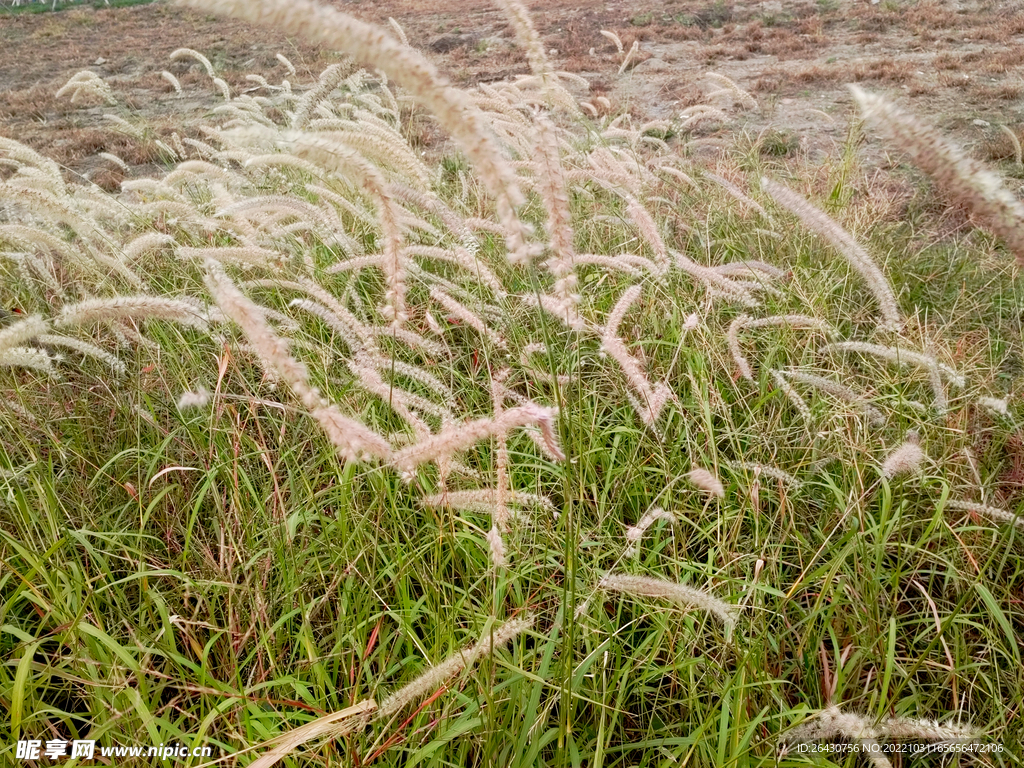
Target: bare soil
957,63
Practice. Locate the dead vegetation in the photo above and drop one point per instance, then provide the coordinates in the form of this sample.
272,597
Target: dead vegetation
940,55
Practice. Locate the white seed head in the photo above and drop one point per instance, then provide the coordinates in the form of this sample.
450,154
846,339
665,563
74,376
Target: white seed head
706,481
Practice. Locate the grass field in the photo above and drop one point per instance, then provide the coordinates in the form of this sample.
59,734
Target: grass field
353,419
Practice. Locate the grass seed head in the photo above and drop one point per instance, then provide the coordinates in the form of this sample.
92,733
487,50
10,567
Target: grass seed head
707,482
905,460
961,179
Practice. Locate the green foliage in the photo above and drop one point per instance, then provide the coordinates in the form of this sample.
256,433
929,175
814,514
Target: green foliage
215,575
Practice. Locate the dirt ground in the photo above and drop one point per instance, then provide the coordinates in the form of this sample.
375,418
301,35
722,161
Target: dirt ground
958,63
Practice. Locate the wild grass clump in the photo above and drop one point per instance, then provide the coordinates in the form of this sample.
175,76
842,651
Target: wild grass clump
311,410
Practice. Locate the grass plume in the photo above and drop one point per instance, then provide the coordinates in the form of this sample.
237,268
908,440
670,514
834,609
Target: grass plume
646,586
959,178
439,674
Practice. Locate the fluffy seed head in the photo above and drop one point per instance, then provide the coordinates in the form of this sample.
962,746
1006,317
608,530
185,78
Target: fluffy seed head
376,48
24,330
992,513
958,177
677,593
818,221
120,307
352,439
998,406
707,482
634,533
195,399
437,675
497,546
905,460
457,438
